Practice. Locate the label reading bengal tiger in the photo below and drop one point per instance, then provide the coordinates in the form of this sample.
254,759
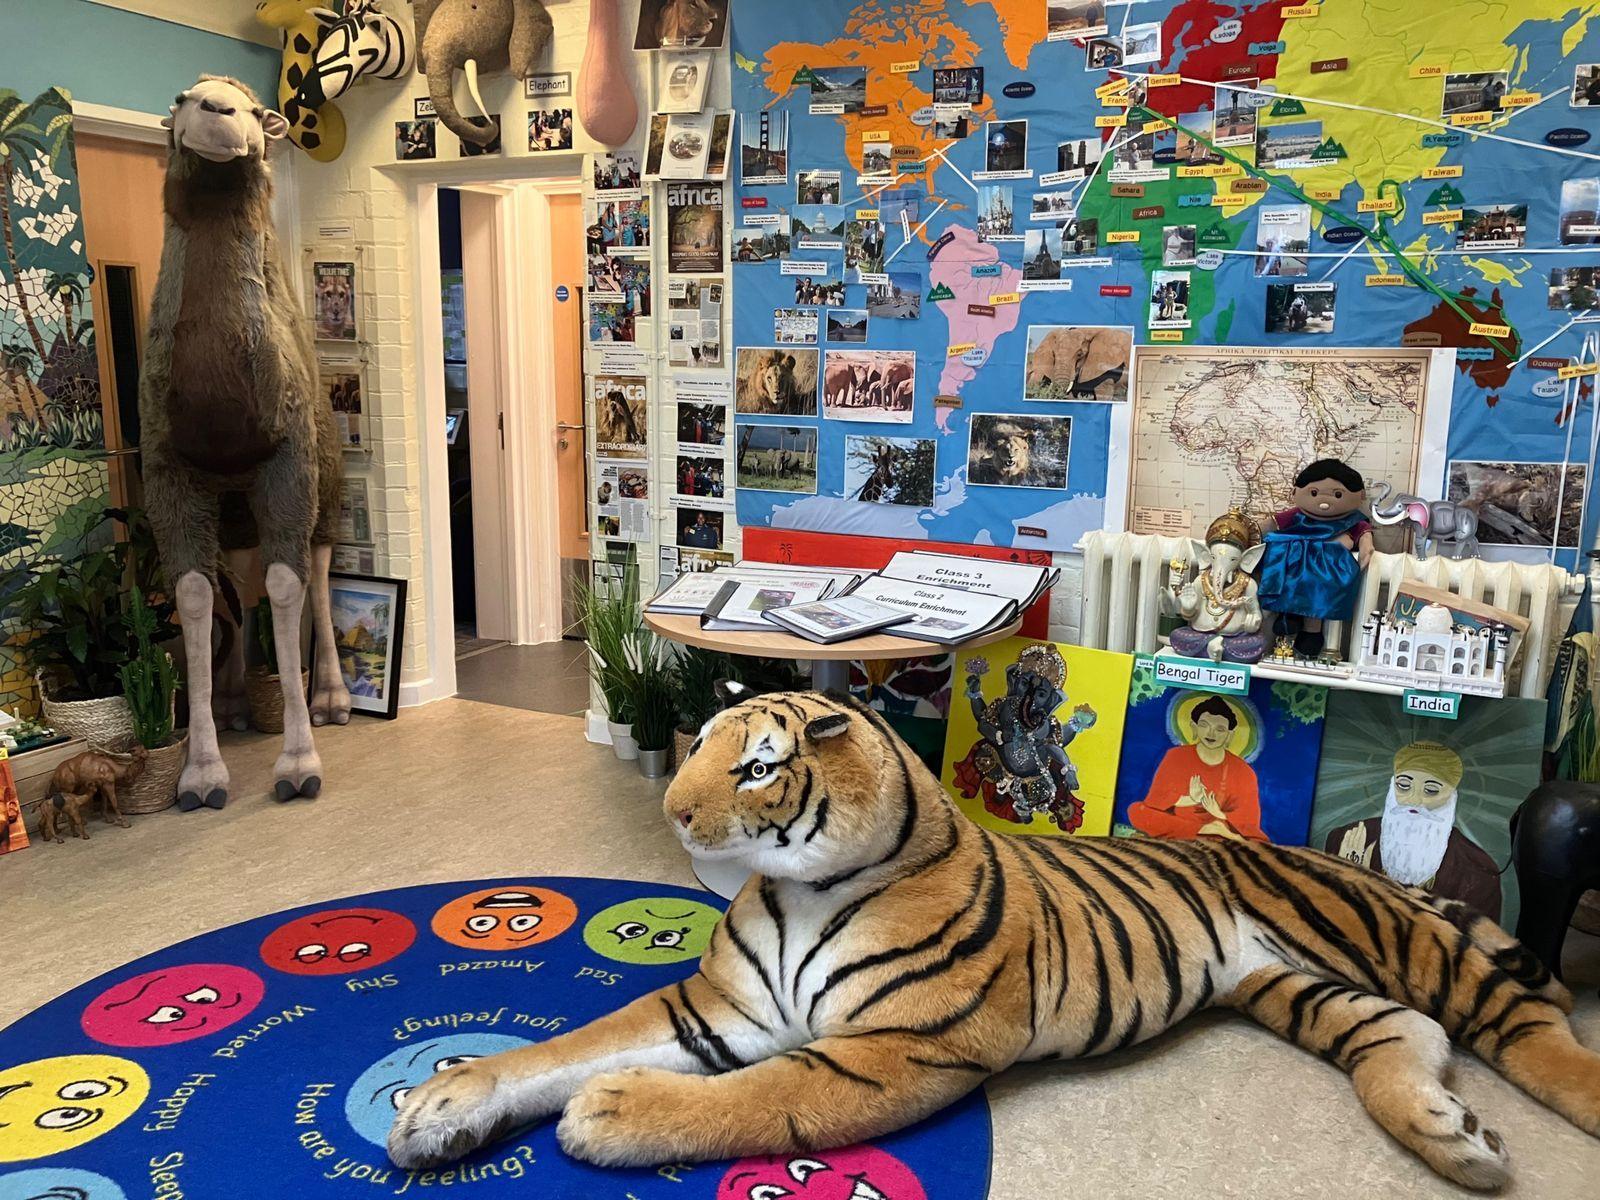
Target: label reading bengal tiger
1201,675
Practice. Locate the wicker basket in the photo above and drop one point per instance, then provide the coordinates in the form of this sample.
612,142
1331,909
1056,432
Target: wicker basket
156,787
106,724
681,742
265,695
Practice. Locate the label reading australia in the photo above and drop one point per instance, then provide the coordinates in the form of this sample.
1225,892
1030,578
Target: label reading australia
1202,675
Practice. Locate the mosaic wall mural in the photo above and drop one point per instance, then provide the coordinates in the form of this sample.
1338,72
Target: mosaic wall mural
54,484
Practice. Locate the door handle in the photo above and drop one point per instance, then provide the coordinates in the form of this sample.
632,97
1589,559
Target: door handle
568,425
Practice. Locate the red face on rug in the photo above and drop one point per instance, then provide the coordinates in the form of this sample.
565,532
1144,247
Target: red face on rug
856,1173
338,941
174,1004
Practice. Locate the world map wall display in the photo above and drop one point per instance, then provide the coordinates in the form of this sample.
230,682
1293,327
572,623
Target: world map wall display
1318,177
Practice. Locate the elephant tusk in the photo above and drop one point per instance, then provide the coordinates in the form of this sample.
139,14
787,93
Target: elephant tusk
470,67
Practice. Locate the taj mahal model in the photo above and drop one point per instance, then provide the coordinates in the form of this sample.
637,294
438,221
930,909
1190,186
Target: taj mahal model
1435,653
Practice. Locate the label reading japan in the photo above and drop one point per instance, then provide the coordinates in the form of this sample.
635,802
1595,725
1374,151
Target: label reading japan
1202,675
1444,705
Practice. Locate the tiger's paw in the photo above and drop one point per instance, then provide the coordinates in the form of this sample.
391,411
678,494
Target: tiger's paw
1460,1147
446,1117
618,1120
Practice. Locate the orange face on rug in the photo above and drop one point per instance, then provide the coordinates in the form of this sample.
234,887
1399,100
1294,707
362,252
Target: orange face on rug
508,918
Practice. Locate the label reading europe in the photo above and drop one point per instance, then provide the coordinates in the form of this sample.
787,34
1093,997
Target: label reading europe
1444,705
1202,675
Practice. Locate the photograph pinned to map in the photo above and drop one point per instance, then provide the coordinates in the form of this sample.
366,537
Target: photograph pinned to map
1052,206
761,243
898,297
1169,300
1080,237
876,164
1141,43
1288,147
1014,450
776,458
847,325
1078,362
763,147
1191,148
1580,212
1177,245
817,187
664,25
957,87
1075,159
1283,240
1479,92
818,293
1575,288
817,227
1585,86
1233,115
1005,150
869,385
888,470
775,381
899,206
864,244
838,90
795,326
1041,256
1300,307
1067,19
1521,503
996,213
1102,53
1492,227
1133,159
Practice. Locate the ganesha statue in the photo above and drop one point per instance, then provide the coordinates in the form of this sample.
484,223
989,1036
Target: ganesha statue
1220,603
1020,762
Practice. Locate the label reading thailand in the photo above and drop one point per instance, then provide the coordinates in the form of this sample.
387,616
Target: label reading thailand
1444,705
1202,675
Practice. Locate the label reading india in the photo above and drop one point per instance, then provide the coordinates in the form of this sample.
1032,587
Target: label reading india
1201,675
1481,329
1444,705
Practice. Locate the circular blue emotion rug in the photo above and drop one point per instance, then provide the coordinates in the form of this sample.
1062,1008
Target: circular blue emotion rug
267,1058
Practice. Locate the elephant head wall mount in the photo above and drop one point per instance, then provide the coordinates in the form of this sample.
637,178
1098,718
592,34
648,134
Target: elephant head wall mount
476,36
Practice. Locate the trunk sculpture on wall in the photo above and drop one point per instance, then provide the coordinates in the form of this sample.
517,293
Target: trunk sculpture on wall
607,109
476,36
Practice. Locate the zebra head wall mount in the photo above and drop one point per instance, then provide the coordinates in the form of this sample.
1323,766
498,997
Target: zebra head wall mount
474,37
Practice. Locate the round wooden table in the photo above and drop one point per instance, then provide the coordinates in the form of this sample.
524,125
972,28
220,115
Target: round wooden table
830,671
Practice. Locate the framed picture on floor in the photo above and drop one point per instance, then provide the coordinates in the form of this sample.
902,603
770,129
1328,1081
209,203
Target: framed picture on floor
369,621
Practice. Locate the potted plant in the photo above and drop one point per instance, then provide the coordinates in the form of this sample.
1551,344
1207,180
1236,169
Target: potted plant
694,692
609,614
263,689
150,684
654,701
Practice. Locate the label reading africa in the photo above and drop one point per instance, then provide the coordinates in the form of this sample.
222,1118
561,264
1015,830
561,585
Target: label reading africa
1483,329
1444,705
1202,675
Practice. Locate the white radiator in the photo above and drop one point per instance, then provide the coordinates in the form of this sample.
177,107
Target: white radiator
1124,575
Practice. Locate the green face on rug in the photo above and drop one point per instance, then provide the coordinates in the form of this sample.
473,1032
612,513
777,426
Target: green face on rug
652,930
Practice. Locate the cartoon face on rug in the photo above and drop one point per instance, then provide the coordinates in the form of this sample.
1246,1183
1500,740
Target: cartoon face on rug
505,918
380,1089
652,930
173,1004
58,1183
338,941
55,1104
855,1173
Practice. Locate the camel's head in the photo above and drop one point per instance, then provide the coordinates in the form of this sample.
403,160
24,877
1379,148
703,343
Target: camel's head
221,120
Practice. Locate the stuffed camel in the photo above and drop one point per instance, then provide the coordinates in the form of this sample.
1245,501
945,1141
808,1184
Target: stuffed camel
238,441
476,35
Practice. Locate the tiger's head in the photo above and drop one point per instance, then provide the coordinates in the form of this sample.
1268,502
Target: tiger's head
793,785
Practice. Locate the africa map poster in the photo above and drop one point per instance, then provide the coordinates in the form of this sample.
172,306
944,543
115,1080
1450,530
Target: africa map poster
1396,163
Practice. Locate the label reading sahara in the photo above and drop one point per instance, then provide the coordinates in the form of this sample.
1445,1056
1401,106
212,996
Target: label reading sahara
1444,705
1202,675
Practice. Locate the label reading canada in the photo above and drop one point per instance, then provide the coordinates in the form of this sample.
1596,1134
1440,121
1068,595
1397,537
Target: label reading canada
1202,675
909,67
1444,705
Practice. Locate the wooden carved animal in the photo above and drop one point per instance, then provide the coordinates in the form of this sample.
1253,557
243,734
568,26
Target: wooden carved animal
319,131
890,955
95,774
238,440
364,41
69,808
476,36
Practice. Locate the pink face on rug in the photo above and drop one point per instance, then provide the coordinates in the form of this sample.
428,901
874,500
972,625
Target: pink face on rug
856,1173
174,1004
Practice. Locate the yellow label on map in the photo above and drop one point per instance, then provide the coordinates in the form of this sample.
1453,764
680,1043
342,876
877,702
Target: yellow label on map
1386,280
1152,127
1383,204
876,135
1006,298
1162,80
1577,370
1479,329
1431,71
958,351
866,214
1519,99
1443,172
1300,10
1478,118
1114,121
1106,89
1228,201
906,67
1166,335
1445,216
1122,235
1208,171
1324,194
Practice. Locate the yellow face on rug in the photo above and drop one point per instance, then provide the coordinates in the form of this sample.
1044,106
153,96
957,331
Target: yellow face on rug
55,1104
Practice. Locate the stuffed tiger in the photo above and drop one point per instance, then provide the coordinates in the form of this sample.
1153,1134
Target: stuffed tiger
890,955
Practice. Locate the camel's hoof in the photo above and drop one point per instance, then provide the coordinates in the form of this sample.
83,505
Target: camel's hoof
284,790
311,787
216,798
188,801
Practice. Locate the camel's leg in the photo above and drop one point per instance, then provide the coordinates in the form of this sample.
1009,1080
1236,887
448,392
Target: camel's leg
298,770
330,699
112,811
229,705
205,777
